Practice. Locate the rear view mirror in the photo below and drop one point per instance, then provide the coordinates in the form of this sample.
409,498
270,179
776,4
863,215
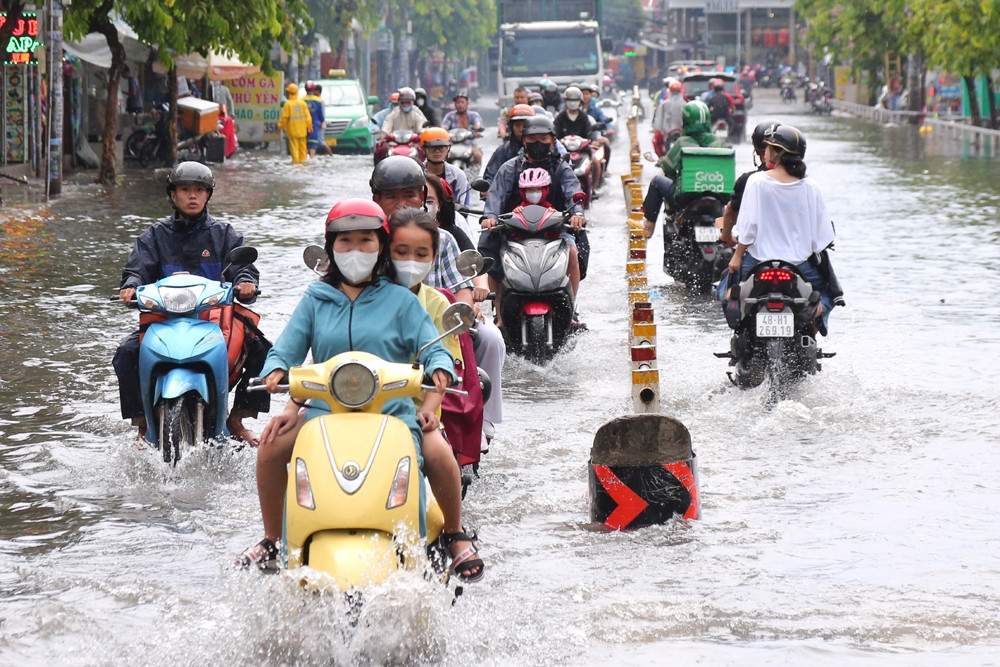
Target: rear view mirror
316,259
480,185
241,256
580,198
469,263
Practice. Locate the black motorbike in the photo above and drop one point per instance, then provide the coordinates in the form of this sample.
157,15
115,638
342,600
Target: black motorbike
773,316
153,150
693,254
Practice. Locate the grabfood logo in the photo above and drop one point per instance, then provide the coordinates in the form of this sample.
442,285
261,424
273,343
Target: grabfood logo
712,181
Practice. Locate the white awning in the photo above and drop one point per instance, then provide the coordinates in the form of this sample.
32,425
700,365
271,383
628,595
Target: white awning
94,49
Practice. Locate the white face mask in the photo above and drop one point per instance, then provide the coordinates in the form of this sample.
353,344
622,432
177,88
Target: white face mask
410,272
355,265
533,196
572,105
432,210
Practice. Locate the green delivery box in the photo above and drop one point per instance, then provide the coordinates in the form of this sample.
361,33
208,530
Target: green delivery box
707,169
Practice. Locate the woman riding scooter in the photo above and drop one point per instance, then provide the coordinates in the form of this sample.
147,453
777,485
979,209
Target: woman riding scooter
353,307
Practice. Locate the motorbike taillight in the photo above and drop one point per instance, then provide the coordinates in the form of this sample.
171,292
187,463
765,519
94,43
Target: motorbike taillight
551,235
775,276
775,306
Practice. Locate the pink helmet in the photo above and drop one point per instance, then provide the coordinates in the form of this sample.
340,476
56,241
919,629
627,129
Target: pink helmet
534,177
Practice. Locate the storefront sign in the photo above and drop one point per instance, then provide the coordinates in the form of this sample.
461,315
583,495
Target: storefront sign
20,49
257,101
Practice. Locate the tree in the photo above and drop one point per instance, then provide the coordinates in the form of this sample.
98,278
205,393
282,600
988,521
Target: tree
247,28
961,38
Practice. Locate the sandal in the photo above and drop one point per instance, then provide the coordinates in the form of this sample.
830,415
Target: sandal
264,555
468,559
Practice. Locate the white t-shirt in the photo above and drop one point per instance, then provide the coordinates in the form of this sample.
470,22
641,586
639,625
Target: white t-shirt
786,221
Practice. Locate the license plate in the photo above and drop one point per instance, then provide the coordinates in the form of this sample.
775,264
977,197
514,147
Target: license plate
332,141
775,325
706,234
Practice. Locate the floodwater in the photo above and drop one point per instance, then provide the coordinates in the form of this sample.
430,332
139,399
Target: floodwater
853,524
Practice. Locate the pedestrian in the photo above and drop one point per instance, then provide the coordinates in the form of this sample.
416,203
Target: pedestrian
315,141
133,98
296,121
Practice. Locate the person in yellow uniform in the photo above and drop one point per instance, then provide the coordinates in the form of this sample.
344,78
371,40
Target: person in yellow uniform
296,121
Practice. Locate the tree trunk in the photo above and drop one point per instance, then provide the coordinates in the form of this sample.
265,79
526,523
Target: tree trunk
108,171
970,86
172,118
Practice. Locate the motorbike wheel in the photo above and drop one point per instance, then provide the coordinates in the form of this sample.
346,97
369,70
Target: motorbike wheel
538,350
134,142
148,152
178,426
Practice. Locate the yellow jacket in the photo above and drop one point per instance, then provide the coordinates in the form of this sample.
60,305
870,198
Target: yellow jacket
435,304
295,119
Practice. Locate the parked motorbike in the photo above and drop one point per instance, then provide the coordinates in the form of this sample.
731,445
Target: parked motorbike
185,356
537,305
694,255
153,150
462,154
584,158
772,313
400,142
357,507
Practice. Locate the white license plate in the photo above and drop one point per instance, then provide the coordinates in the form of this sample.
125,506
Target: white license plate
706,234
775,325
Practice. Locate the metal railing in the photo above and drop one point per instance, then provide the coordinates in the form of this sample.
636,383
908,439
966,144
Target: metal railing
980,138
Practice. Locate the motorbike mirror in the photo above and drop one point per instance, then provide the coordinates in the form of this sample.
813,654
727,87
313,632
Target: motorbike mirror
240,256
315,258
469,263
480,185
580,198
460,317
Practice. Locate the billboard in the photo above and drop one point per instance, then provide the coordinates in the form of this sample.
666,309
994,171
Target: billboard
257,106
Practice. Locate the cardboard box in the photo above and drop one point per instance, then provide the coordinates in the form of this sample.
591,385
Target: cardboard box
198,115
707,170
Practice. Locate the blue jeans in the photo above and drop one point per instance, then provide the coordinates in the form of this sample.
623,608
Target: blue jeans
808,271
660,189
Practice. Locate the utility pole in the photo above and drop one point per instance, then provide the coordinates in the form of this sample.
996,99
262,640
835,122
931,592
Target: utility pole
53,62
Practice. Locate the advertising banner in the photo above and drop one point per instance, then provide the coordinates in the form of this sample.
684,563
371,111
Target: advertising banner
257,101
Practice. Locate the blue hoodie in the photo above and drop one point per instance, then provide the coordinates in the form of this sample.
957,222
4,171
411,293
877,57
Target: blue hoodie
386,320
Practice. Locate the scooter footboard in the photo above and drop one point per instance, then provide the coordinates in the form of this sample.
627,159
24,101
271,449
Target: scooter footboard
353,558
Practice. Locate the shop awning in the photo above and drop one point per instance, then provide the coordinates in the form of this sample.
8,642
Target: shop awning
94,49
218,66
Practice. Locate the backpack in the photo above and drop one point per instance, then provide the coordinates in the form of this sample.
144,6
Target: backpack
719,106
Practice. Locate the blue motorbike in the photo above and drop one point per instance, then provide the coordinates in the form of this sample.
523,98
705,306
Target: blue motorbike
185,357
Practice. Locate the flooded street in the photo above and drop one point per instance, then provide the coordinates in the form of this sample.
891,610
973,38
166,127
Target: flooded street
854,524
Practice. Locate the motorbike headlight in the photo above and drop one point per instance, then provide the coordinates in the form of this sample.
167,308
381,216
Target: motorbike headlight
572,144
180,299
303,489
353,384
360,122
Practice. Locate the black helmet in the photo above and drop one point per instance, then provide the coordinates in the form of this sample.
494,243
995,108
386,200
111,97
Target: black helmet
397,172
420,92
761,131
190,173
538,124
788,139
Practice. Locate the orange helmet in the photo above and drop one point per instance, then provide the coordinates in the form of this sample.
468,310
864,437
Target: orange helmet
394,97
676,85
435,136
520,112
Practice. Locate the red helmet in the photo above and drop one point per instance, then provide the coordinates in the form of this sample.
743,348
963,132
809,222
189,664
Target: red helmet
676,86
352,214
520,112
394,97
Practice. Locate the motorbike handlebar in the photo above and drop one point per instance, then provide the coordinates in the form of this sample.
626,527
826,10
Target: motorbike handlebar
257,384
449,390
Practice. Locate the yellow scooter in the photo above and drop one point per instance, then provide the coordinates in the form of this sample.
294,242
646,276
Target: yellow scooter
357,507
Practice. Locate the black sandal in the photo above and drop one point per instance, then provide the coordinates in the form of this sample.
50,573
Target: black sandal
264,555
468,559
